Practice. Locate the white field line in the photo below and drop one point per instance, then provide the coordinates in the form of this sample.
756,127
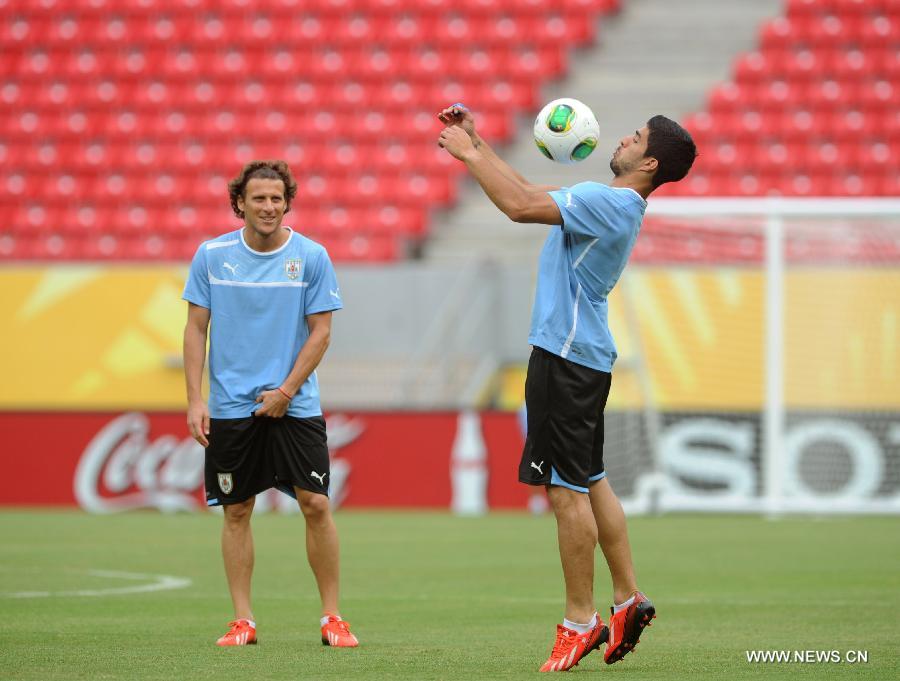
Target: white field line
153,583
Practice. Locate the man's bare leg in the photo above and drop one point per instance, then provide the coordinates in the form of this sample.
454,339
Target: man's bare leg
322,548
612,534
237,553
577,535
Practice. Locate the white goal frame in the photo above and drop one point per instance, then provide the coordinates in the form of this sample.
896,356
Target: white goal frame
651,491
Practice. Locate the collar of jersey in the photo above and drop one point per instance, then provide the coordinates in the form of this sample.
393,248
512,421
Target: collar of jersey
267,254
627,189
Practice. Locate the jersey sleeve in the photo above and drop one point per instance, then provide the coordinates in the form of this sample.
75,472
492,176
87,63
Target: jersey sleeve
323,293
588,209
196,288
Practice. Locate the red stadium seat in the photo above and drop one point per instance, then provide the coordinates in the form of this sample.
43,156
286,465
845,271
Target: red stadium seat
819,97
831,94
803,65
879,95
852,65
388,218
782,94
881,30
889,184
125,119
780,33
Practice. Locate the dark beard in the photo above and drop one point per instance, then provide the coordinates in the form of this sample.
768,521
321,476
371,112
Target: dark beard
615,167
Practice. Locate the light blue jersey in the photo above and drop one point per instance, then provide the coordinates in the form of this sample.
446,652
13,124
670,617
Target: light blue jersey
258,304
578,267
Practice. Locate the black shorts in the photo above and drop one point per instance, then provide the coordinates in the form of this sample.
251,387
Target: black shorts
250,455
564,403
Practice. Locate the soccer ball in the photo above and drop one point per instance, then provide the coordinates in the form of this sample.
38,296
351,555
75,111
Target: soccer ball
566,131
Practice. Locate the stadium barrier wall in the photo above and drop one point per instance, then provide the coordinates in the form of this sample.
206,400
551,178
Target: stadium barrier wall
466,462
108,462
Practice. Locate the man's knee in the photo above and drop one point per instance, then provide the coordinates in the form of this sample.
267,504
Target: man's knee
563,499
239,514
314,506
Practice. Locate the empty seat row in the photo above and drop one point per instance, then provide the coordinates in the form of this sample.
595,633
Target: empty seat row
821,158
826,94
166,221
116,247
840,8
869,31
575,27
714,182
105,8
812,65
365,188
194,160
277,62
294,96
800,125
307,125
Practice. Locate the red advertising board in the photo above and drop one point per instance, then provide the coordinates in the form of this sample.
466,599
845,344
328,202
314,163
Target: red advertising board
107,462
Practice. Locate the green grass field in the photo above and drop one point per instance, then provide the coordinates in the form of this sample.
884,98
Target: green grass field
437,597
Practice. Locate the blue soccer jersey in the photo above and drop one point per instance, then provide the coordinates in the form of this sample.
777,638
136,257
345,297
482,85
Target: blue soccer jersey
579,265
258,304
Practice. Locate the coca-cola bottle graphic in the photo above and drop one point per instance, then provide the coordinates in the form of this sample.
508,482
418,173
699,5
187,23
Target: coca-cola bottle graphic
468,466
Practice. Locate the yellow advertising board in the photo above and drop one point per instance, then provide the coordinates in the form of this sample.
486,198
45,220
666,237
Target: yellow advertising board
693,339
92,337
690,338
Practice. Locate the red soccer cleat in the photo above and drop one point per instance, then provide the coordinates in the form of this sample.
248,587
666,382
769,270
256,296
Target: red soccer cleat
625,627
241,633
571,647
336,632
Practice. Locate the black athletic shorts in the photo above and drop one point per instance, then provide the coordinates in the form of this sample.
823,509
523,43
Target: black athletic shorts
250,455
564,402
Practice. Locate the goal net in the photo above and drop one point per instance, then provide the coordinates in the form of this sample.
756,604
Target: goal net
759,361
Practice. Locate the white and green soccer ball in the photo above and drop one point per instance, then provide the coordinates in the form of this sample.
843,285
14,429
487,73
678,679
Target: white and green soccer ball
566,131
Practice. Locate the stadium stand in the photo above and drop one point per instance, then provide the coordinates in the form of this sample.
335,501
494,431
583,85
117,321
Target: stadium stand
122,120
813,111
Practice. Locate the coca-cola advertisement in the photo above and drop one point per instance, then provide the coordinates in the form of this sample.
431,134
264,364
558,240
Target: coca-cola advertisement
466,462
109,462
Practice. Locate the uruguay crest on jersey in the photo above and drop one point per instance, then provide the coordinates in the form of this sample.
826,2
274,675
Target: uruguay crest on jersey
292,267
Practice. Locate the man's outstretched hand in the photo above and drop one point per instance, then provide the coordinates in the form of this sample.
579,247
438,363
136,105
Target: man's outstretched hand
459,116
455,140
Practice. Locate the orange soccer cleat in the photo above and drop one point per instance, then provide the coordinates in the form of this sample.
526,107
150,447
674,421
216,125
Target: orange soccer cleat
240,633
625,627
571,647
336,632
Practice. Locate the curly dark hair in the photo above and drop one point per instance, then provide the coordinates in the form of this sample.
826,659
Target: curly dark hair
263,170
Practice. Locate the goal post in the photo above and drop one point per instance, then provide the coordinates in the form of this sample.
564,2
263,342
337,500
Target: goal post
768,332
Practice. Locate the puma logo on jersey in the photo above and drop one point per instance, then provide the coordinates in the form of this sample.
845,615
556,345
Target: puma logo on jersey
233,268
537,467
335,293
321,477
569,204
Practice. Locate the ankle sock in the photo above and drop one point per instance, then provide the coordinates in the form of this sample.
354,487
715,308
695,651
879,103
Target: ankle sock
622,606
581,628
